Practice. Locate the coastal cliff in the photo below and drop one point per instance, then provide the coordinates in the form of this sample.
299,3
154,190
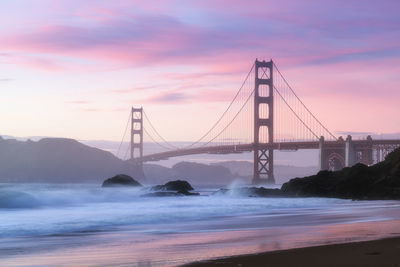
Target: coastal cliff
380,181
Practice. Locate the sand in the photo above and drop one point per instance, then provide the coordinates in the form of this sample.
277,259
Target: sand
384,252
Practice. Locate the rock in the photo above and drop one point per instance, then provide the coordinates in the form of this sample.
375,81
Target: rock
173,188
162,194
187,193
120,180
170,194
254,192
177,185
380,181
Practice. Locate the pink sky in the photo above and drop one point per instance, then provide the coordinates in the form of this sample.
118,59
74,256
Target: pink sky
74,68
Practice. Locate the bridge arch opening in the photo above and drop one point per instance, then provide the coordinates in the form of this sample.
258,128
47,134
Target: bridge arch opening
263,90
264,72
263,136
263,111
335,162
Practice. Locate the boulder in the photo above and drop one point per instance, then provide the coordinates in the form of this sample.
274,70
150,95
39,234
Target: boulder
170,194
120,180
172,188
178,185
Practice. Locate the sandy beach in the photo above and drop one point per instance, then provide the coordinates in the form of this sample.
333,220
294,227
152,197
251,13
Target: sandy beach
384,252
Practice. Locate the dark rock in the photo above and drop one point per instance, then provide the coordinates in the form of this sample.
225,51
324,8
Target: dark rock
162,194
120,180
177,185
187,193
380,181
173,188
255,192
170,194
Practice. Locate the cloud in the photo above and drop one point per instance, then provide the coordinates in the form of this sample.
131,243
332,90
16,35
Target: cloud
168,97
221,39
137,88
78,102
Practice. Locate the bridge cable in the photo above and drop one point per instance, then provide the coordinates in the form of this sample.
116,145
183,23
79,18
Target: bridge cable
291,89
226,110
151,137
294,112
157,133
247,100
123,137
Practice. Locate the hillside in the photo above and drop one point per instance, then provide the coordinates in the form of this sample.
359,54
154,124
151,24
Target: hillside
56,160
380,181
60,160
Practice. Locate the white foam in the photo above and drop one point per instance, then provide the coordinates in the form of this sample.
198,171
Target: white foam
57,209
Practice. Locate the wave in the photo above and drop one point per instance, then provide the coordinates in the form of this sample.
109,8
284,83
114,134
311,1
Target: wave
42,196
30,210
15,200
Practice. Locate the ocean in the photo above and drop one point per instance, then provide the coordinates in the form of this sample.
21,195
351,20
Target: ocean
86,225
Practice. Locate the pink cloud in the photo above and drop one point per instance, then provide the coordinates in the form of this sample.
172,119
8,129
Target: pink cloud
170,97
78,102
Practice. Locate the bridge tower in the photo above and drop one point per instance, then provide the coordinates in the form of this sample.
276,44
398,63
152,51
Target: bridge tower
263,123
137,141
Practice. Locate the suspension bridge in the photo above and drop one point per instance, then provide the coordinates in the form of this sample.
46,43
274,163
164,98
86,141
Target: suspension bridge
264,115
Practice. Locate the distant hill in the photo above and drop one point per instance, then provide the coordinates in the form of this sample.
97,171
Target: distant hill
61,160
282,173
56,160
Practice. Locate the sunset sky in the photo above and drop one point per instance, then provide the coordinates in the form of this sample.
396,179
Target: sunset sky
74,68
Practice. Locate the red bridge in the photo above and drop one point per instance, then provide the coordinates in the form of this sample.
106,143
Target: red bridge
264,115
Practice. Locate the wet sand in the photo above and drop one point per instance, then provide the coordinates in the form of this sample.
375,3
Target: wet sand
384,252
175,243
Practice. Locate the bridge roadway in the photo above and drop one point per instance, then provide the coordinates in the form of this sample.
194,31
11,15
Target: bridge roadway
240,148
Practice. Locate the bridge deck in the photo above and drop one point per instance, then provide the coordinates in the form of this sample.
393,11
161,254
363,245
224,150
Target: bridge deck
231,149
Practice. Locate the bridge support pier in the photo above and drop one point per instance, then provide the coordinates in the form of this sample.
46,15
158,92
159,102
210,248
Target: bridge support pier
344,153
323,162
350,152
263,123
367,152
331,157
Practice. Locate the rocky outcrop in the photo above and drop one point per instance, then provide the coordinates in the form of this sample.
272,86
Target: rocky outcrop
121,180
380,181
177,185
173,188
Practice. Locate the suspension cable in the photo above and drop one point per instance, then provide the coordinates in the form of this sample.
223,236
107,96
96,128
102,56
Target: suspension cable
291,89
226,110
157,133
294,112
123,137
247,100
151,137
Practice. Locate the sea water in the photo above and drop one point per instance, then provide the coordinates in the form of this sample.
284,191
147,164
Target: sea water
84,224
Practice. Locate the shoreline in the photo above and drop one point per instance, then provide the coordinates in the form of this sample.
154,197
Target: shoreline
380,252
